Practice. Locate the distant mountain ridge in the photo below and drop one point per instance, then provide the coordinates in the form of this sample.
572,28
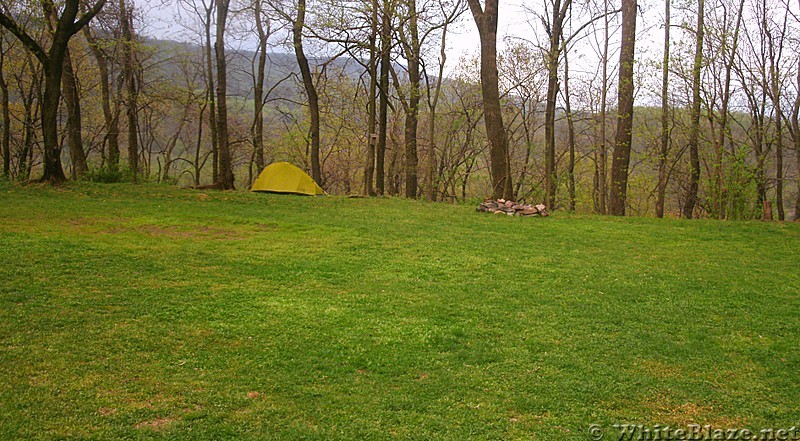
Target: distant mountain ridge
241,67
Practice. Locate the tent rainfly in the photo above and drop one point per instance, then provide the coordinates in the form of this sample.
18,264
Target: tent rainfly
282,177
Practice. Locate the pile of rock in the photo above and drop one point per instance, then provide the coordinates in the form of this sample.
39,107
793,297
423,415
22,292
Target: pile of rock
511,208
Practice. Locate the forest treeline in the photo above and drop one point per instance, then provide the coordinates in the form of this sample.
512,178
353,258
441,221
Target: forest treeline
574,113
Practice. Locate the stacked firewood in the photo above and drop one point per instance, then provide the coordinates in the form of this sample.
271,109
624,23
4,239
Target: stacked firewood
511,208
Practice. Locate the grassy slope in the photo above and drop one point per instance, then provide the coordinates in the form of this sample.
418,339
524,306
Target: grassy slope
155,312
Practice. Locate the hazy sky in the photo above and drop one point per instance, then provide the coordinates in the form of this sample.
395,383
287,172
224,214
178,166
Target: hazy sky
462,40
515,17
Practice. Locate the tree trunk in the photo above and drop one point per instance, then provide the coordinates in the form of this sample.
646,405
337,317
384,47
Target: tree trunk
198,166
53,170
549,125
383,93
486,21
5,139
725,128
212,105
662,157
29,103
779,162
694,130
132,105
761,155
372,67
74,138
311,89
775,53
795,125
258,90
570,135
797,180
225,178
110,118
622,140
413,52
432,184
602,177
553,54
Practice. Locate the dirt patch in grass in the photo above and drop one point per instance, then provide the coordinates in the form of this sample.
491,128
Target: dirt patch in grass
122,226
79,222
526,419
106,411
156,424
681,415
205,232
660,370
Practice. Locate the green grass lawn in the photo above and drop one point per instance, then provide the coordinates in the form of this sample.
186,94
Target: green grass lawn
155,312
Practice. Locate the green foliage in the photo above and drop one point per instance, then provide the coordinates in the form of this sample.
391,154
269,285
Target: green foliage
108,174
640,194
115,175
150,312
742,194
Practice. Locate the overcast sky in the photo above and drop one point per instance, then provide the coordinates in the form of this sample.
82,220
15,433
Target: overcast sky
514,22
160,22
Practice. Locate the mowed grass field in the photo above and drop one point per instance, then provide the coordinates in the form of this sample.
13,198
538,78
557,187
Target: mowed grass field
151,312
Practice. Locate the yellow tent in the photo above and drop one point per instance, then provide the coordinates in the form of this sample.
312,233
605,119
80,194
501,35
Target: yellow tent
282,177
